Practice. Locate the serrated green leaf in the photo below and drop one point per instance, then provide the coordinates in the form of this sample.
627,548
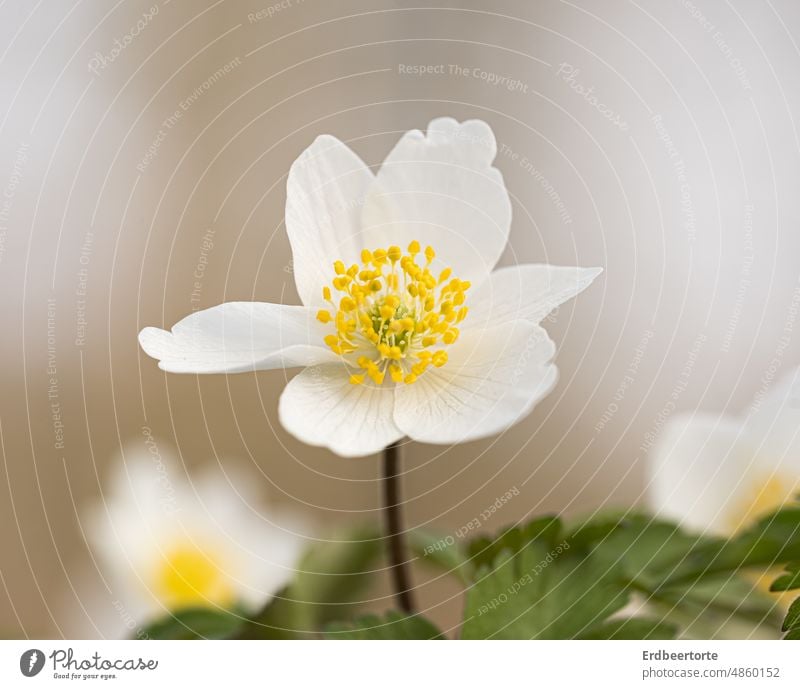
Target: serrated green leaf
537,593
633,628
393,625
484,550
194,623
644,549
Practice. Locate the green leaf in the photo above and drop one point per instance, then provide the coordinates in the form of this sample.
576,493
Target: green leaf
195,623
393,625
772,540
541,592
792,620
483,551
788,581
527,591
727,595
442,551
633,628
639,547
330,580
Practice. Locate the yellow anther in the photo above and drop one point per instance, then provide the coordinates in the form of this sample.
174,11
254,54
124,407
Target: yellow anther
382,318
419,369
439,358
450,336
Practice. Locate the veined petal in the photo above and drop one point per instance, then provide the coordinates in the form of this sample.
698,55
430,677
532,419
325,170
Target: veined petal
325,194
442,190
239,336
698,467
491,382
321,407
529,291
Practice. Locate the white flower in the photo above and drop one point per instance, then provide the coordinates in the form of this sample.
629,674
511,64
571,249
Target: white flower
164,542
717,473
404,329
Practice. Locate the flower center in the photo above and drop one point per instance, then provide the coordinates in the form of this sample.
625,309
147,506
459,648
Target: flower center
188,576
393,315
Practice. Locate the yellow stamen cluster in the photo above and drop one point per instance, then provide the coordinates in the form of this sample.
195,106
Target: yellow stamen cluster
392,316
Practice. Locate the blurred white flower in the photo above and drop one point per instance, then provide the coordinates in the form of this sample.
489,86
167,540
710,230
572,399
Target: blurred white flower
718,473
404,328
164,542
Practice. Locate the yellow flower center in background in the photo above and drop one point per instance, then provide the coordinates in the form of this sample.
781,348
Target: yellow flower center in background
188,576
765,496
392,315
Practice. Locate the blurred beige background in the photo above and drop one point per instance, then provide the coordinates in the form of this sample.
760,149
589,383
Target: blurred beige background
657,139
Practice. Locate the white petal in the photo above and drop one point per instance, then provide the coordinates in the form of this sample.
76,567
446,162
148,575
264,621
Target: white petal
773,426
696,470
239,336
443,191
491,382
325,194
528,291
321,407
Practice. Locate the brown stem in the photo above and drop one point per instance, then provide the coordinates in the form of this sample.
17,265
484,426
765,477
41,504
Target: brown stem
394,529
